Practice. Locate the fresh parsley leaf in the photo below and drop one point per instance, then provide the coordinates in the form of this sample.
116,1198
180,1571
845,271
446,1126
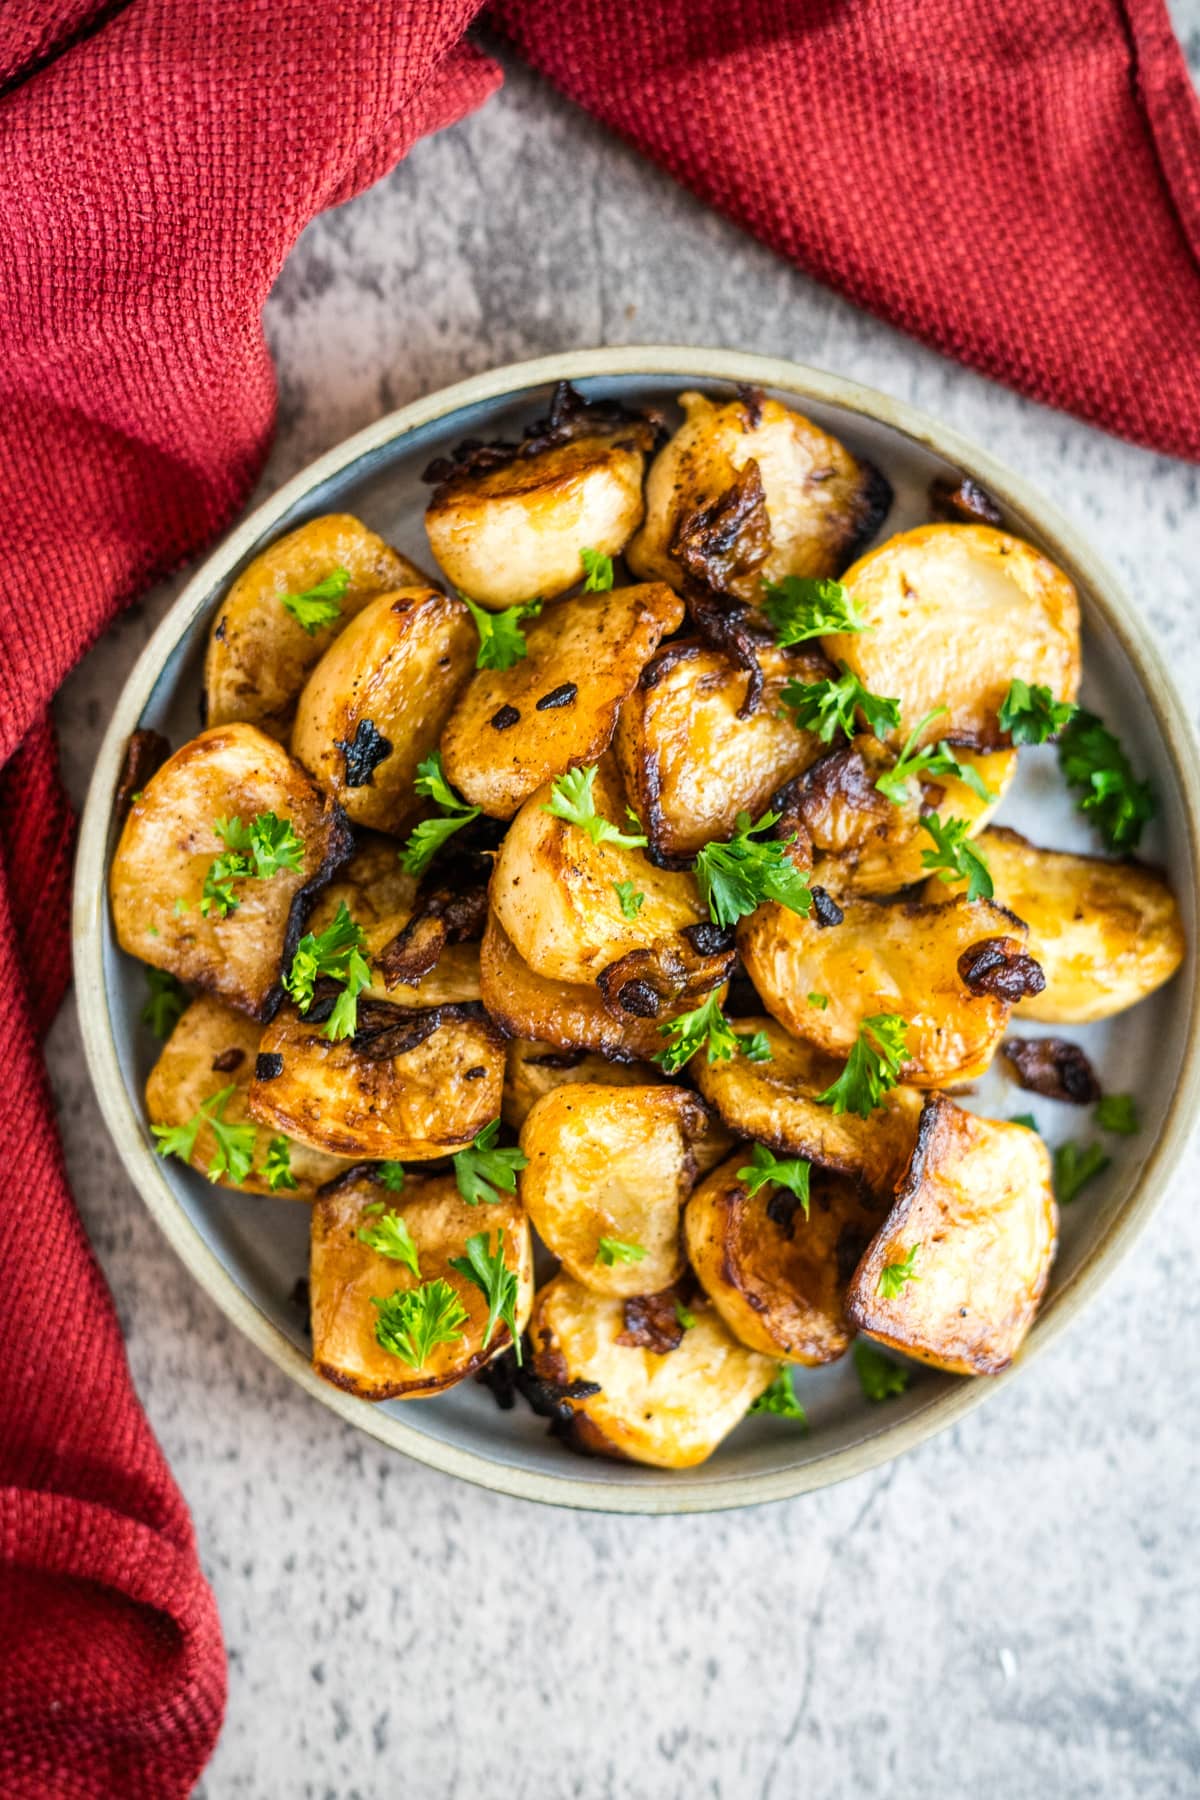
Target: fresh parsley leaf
872,1067
755,1046
611,1250
572,799
485,1173
335,952
278,1165
598,569
1030,715
894,1276
956,856
800,608
259,849
683,1317
878,1376
1026,1119
274,846
166,1004
827,707
501,640
318,606
780,1399
1092,760
391,1174
935,761
217,895
687,1033
820,1001
1118,1113
429,836
1074,1166
631,901
234,1152
736,877
765,1169
415,1321
389,1236
498,1284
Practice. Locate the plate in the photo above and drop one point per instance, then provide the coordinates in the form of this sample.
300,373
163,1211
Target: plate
248,1252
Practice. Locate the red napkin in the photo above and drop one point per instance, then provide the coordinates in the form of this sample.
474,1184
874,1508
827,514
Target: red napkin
1018,185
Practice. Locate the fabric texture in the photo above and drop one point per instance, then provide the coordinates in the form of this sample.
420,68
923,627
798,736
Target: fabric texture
1017,185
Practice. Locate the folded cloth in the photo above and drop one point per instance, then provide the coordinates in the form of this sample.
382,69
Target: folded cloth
1017,185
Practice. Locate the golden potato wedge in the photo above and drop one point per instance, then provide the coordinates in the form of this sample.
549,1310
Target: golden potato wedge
533,1069
956,613
410,1084
259,656
777,1278
669,1410
806,506
346,1276
775,1103
690,762
612,1164
977,1207
556,709
1105,933
168,845
953,971
376,703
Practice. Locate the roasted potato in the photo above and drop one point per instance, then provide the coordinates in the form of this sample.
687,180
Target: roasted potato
669,1410
259,656
168,846
954,614
1105,933
802,504
952,971
612,1163
213,1048
346,1276
376,703
410,1084
556,709
690,762
533,1069
775,1103
778,1278
977,1206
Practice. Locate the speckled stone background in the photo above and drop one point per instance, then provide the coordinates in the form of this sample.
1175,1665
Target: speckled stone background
1011,1611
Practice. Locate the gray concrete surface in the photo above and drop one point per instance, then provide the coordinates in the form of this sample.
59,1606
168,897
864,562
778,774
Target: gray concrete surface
1013,1610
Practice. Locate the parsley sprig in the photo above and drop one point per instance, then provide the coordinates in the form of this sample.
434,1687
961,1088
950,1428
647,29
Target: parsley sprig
501,640
1030,714
827,707
498,1284
895,1276
956,856
485,1173
736,877
800,607
708,1025
938,759
1118,1113
318,606
166,1002
335,953
277,1166
598,570
878,1376
429,836
766,1169
1116,802
415,1321
260,850
611,1250
780,1399
572,799
872,1068
631,901
234,1151
391,1174
1074,1166
388,1235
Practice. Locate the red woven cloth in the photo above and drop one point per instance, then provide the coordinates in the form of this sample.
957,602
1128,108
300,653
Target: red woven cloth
1019,185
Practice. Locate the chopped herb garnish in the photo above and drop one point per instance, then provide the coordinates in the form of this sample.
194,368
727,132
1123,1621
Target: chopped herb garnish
878,1376
1118,1113
611,1250
631,901
429,836
1074,1166
1092,760
598,570
820,1001
1031,714
683,1317
687,1033
736,877
780,1399
485,1173
956,856
872,1067
894,1276
391,1174
827,707
166,1004
938,760
1025,1119
755,1046
336,953
498,1284
278,1165
572,799
415,1321
389,1236
234,1151
320,605
501,640
767,1169
800,607
260,849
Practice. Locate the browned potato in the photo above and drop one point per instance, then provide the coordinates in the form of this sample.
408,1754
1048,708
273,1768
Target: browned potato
775,1103
779,1279
977,1207
375,704
952,971
612,1164
408,1086
374,887
213,1048
533,1069
671,1409
346,1276
1105,933
804,505
259,656
168,845
690,762
556,709
956,613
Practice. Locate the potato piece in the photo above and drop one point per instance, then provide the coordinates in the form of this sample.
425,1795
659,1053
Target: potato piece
212,1048
775,1104
612,1162
978,1206
690,762
345,1275
556,709
779,1279
671,1410
376,703
956,613
1105,933
817,505
533,1069
168,845
408,1086
259,656
906,959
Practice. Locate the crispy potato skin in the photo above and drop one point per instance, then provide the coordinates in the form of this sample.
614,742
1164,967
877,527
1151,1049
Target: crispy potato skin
956,613
258,656
168,843
407,1108
900,958
613,1162
533,1069
668,1411
978,1200
597,644
516,532
397,667
690,763
187,1073
774,1103
780,1287
821,503
1106,933
345,1274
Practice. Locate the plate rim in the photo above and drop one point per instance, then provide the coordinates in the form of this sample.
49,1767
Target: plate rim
650,1495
